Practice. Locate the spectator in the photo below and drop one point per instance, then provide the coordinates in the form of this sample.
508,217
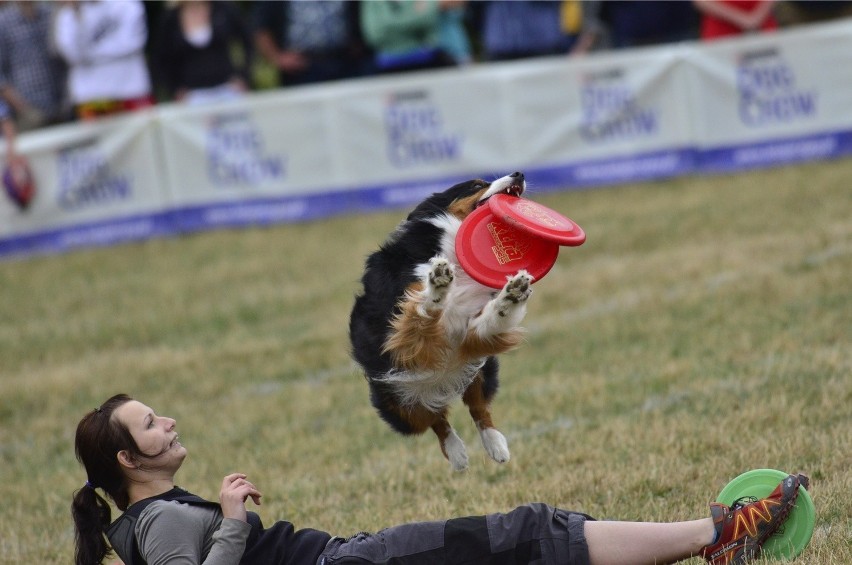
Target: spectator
193,51
650,22
8,131
452,36
795,12
725,18
310,42
592,33
529,28
31,77
406,34
103,43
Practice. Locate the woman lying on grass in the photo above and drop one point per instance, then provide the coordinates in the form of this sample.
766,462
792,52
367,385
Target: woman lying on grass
132,455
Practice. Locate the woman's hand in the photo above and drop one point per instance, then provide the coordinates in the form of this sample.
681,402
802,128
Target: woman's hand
235,490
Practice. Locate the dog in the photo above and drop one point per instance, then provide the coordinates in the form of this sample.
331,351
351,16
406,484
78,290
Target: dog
426,334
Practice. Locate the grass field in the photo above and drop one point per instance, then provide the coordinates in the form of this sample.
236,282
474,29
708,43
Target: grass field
704,329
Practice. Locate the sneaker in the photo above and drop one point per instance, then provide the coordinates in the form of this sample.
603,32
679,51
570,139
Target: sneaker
743,527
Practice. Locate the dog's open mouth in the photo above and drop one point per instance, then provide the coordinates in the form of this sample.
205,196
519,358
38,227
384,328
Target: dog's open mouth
515,190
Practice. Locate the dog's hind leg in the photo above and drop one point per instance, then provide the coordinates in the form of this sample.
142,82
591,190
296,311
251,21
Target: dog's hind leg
417,419
493,441
452,445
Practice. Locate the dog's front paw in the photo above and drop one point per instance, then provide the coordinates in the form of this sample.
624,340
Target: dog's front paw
495,444
517,290
441,273
438,281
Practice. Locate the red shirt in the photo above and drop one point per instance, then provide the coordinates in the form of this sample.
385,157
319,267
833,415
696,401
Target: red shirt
713,27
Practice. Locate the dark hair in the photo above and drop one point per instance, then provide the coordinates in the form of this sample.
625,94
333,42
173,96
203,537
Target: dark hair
98,440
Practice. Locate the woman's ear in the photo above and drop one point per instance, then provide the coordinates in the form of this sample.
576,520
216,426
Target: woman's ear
126,460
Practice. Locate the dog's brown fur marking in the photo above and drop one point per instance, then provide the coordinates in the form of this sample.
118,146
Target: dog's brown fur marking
420,418
417,340
462,207
473,346
477,405
442,429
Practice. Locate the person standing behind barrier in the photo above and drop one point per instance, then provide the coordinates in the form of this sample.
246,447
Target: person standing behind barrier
452,33
526,28
406,34
103,43
8,131
31,76
192,53
650,22
798,12
309,42
726,18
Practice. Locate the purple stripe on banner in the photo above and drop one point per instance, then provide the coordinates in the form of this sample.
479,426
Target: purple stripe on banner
95,234
585,174
368,198
775,152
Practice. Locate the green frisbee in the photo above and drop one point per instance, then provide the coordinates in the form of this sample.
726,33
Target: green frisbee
795,533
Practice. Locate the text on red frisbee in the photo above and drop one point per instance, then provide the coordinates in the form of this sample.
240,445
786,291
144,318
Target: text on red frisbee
489,250
536,219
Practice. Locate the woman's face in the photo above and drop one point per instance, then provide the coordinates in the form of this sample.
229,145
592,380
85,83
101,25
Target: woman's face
156,436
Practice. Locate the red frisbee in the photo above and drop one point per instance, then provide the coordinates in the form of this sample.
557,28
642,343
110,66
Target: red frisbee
536,219
490,250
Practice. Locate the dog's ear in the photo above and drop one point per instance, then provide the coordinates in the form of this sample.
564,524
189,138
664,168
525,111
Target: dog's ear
443,201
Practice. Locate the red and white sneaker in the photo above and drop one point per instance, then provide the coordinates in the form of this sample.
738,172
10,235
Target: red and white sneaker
743,527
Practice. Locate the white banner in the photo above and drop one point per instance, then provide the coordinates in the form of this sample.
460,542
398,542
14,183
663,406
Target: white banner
301,153
97,183
773,98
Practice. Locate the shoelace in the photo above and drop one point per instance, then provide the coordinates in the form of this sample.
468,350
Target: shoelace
745,501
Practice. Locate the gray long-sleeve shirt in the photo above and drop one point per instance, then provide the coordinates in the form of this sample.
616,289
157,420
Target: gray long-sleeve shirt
177,534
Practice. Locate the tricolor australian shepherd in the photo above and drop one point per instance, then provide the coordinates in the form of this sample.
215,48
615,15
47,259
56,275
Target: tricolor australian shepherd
426,334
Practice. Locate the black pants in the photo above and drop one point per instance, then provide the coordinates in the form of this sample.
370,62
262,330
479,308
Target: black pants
535,533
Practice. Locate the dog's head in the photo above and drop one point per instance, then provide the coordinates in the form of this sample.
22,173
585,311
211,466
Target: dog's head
462,199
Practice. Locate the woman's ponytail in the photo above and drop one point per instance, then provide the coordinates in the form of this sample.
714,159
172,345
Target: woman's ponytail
98,440
92,516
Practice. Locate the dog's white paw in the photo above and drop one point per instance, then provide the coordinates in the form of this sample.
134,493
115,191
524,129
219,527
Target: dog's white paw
441,273
506,310
440,277
456,452
495,444
517,290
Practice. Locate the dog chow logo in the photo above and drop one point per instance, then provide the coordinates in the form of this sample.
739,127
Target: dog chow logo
768,93
86,179
236,155
416,132
611,110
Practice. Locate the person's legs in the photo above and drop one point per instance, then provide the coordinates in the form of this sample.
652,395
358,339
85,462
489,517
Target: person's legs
733,535
635,543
